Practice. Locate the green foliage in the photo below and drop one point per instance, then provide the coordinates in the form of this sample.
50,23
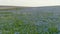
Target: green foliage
27,24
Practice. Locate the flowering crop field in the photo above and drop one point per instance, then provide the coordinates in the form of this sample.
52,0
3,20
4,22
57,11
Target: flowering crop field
14,22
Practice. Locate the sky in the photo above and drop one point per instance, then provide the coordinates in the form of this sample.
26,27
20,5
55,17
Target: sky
30,3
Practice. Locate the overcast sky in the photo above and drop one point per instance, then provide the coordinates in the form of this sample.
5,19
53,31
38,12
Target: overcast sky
32,3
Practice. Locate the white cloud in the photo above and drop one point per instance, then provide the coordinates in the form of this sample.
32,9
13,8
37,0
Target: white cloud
30,2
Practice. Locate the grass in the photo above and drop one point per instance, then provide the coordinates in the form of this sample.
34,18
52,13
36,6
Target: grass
29,24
